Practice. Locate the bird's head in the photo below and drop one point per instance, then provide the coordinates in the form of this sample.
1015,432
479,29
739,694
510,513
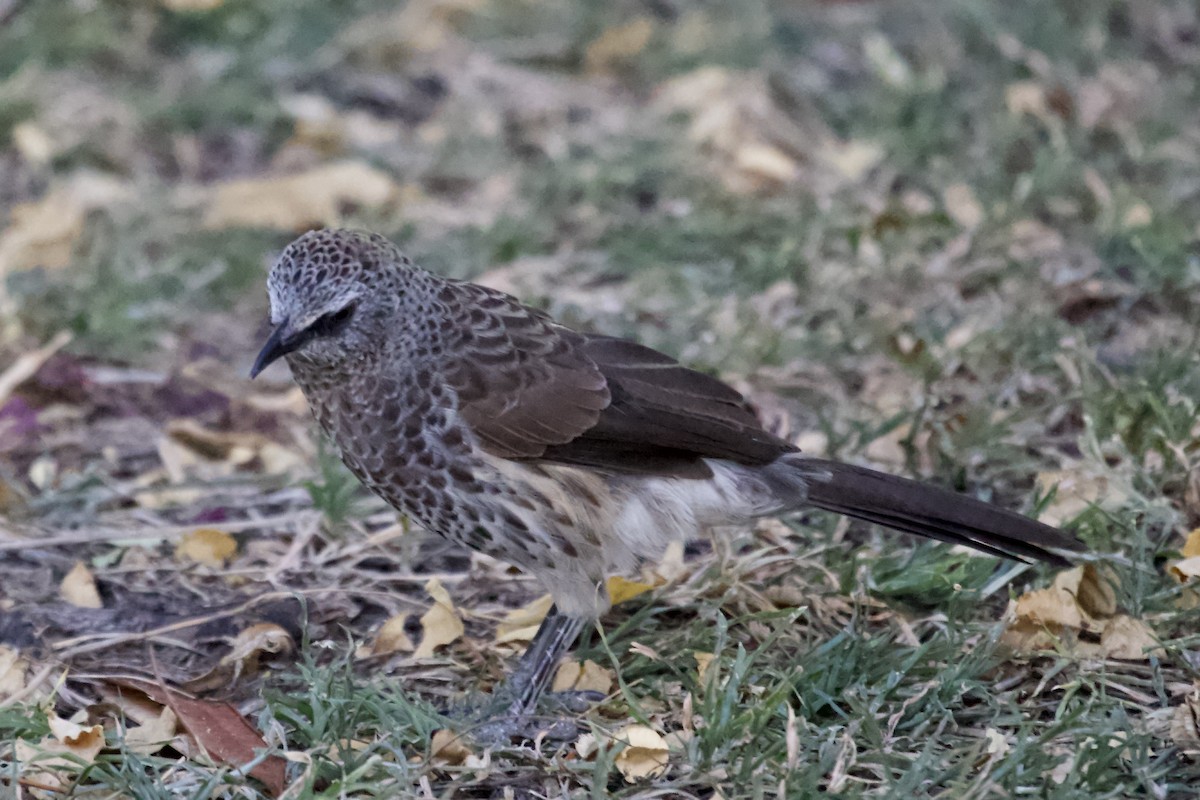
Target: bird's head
331,293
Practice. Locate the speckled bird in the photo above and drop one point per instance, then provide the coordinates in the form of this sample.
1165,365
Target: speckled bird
573,455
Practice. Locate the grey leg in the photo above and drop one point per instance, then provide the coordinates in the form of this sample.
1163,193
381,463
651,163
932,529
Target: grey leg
510,714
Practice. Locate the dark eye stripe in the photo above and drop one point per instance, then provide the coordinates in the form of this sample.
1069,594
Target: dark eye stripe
332,323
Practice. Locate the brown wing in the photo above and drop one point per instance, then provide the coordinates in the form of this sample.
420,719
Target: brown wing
532,389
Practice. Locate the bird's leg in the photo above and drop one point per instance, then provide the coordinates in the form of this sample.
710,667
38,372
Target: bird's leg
514,702
526,684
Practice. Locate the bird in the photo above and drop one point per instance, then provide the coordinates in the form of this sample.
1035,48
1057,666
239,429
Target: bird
572,455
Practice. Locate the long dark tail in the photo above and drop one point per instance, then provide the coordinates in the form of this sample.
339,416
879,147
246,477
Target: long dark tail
913,507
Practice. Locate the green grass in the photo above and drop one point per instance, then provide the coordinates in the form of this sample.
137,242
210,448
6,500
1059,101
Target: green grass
1057,333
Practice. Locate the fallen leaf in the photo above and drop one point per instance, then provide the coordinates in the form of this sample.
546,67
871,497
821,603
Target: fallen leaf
997,743
448,748
1026,97
1188,567
1075,491
220,730
1185,723
645,754
12,671
207,546
244,657
310,199
962,206
1080,599
703,662
622,589
441,623
59,755
191,5
392,637
78,587
520,624
43,233
27,364
616,46
150,737
1128,639
586,677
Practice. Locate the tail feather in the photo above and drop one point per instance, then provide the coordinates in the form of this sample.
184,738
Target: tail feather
919,508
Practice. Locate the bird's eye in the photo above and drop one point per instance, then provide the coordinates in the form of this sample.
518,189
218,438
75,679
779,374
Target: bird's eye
333,322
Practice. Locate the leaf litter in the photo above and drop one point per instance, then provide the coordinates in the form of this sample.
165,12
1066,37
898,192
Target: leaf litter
157,505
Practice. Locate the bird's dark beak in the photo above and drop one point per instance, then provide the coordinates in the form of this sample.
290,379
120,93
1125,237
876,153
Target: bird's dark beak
278,344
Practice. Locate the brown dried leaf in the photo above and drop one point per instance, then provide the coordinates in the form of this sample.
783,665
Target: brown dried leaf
441,622
310,199
207,546
1128,639
27,364
78,587
703,662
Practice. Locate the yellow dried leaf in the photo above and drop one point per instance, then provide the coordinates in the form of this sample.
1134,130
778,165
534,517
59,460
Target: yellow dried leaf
703,661
310,199
441,623
586,677
78,587
152,736
521,624
12,671
43,233
392,637
207,546
645,754
622,589
618,45
1079,598
1187,567
449,748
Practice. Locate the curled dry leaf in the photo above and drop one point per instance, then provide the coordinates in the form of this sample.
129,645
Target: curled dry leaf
441,623
1187,568
1081,600
191,450
521,624
392,637
78,587
12,671
251,644
57,757
310,199
645,754
586,677
703,662
207,546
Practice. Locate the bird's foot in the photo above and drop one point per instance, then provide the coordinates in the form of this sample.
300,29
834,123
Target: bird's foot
500,720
